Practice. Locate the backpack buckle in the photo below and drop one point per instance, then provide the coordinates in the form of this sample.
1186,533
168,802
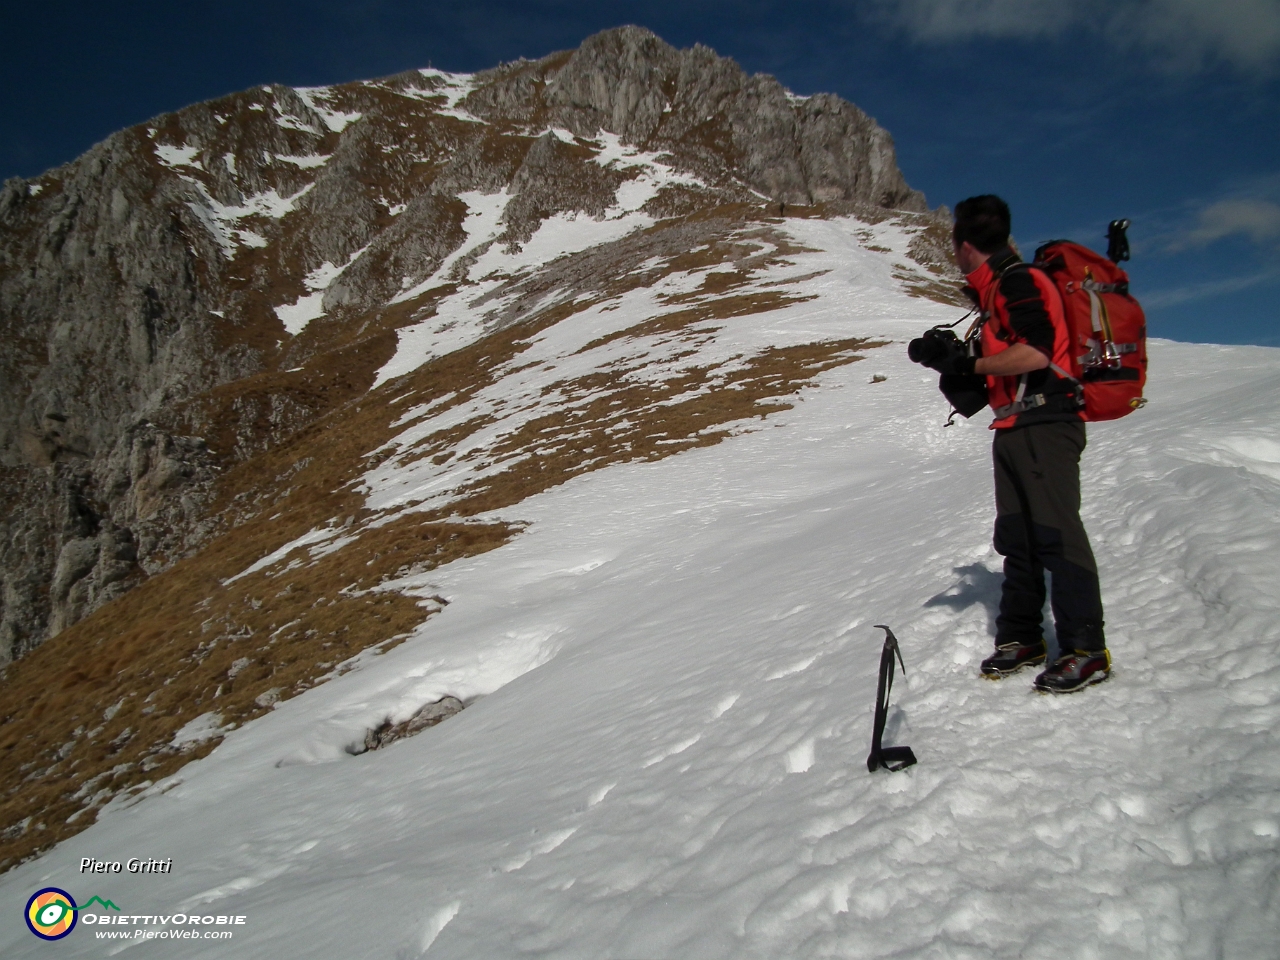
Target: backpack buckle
1110,355
1105,353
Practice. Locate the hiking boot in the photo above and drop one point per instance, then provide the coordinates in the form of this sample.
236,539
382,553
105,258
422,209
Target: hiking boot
1075,671
1012,657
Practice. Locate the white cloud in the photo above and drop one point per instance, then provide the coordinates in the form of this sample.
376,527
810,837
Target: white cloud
1259,220
1206,289
1244,33
966,19
1180,33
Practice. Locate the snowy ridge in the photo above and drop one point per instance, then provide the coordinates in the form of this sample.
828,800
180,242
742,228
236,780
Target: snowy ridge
540,380
456,322
232,218
669,679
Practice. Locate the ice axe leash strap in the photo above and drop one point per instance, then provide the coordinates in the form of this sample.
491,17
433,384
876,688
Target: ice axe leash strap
891,758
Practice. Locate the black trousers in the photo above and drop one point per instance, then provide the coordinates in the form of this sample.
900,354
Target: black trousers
1038,528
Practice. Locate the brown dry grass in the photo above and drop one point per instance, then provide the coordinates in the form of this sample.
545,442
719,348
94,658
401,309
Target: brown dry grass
625,421
92,711
104,698
930,289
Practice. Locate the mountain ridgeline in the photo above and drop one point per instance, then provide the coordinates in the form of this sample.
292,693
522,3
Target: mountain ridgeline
220,326
138,283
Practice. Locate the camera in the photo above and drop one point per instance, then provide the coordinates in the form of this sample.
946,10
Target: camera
937,342
967,394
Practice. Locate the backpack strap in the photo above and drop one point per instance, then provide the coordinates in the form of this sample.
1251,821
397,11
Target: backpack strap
1021,401
988,306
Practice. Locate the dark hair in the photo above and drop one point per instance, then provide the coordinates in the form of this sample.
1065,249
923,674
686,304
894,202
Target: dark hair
983,221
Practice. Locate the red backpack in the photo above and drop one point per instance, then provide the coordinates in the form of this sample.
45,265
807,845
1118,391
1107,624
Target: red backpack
1107,327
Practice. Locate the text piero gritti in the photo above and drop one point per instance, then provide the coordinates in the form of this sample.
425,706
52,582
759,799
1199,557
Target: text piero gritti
132,865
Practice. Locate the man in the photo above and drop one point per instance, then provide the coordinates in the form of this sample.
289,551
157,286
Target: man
1039,437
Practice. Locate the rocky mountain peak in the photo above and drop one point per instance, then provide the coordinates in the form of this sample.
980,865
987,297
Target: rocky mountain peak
221,324
709,114
244,237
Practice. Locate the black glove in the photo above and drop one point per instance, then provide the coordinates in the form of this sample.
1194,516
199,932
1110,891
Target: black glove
955,365
943,351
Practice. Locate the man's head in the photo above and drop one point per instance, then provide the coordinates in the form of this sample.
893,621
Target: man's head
981,228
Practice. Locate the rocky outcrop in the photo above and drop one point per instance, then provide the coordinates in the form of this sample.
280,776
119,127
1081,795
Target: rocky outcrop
722,122
76,535
146,289
387,733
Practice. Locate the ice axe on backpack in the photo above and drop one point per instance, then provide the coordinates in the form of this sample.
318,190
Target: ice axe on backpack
1117,242
891,758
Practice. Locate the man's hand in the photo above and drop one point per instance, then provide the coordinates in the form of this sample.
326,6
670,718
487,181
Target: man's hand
955,364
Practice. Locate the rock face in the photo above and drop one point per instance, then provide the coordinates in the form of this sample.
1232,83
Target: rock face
194,290
710,115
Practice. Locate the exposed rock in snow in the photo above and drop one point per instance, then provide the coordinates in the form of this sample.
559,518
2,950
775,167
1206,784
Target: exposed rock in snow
387,732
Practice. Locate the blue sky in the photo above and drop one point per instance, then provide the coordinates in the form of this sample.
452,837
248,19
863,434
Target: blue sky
1163,111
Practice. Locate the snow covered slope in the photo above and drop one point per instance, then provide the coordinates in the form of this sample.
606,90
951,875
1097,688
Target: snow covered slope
669,677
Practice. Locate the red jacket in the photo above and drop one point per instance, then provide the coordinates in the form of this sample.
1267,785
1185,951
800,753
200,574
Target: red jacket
1021,305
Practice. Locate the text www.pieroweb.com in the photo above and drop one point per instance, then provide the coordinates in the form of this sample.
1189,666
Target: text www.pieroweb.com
172,927
164,934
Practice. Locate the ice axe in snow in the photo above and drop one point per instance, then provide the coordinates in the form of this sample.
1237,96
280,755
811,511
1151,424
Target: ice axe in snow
891,758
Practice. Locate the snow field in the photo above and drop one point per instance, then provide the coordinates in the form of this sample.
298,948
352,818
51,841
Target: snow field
222,221
670,677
